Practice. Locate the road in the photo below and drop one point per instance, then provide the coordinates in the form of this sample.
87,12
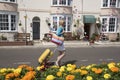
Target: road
12,57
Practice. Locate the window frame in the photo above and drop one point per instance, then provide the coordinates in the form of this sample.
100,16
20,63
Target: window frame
108,24
15,1
10,22
59,17
67,3
117,5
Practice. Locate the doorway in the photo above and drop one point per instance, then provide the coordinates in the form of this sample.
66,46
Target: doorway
87,31
36,28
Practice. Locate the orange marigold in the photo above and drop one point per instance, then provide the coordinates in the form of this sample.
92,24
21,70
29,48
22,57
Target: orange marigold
29,76
98,71
29,68
70,77
10,75
114,69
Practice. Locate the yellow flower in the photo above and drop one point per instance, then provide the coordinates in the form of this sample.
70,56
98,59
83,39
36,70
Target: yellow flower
88,67
50,77
3,70
69,69
89,78
62,69
40,67
94,69
54,66
69,65
84,72
70,77
73,66
78,70
10,69
107,76
110,65
83,67
18,70
59,74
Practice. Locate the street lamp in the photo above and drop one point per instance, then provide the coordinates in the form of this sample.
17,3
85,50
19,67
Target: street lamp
25,29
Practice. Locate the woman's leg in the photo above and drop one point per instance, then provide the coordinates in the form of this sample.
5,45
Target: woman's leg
60,57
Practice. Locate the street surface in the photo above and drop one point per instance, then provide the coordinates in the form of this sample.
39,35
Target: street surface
12,57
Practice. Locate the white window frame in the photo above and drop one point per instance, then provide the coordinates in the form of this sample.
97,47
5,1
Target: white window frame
109,6
66,4
8,1
107,25
59,17
9,21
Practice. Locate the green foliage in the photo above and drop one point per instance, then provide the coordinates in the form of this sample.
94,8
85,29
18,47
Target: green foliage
94,35
3,37
105,71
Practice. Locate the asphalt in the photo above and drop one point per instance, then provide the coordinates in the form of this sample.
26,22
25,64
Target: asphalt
68,44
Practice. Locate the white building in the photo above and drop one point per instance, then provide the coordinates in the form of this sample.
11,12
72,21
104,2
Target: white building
29,16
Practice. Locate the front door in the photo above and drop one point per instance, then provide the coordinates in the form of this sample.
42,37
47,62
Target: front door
36,28
87,30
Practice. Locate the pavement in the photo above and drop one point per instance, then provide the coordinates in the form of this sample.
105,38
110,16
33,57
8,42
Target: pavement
39,44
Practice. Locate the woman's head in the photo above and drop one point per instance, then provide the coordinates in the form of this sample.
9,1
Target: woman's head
61,22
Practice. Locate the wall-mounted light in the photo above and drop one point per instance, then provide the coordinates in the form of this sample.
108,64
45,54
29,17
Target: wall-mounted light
20,24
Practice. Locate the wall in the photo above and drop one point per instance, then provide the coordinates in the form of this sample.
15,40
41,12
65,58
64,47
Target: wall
8,6
33,9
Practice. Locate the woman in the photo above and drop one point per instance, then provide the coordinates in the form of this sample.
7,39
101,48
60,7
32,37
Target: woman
60,48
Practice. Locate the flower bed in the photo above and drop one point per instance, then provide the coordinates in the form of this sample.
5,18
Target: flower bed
105,71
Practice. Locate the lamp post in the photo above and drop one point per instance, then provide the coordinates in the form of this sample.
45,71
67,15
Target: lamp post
25,29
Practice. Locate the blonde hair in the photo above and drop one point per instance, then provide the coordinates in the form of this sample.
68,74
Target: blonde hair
61,22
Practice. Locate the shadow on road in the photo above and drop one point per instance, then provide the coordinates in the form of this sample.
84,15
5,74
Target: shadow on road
69,62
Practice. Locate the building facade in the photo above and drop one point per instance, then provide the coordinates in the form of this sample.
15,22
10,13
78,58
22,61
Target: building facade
8,18
38,17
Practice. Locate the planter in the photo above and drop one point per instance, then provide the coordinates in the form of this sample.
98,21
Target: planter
15,43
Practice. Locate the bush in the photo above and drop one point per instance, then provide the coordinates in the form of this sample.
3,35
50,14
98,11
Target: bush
94,35
3,37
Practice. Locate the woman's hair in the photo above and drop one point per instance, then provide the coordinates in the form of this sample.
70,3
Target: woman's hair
61,22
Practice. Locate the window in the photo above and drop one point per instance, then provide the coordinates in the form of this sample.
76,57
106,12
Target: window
4,24
12,0
111,3
54,2
111,24
8,22
62,2
7,0
118,4
108,24
57,18
54,23
105,3
69,23
69,2
104,24
13,22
